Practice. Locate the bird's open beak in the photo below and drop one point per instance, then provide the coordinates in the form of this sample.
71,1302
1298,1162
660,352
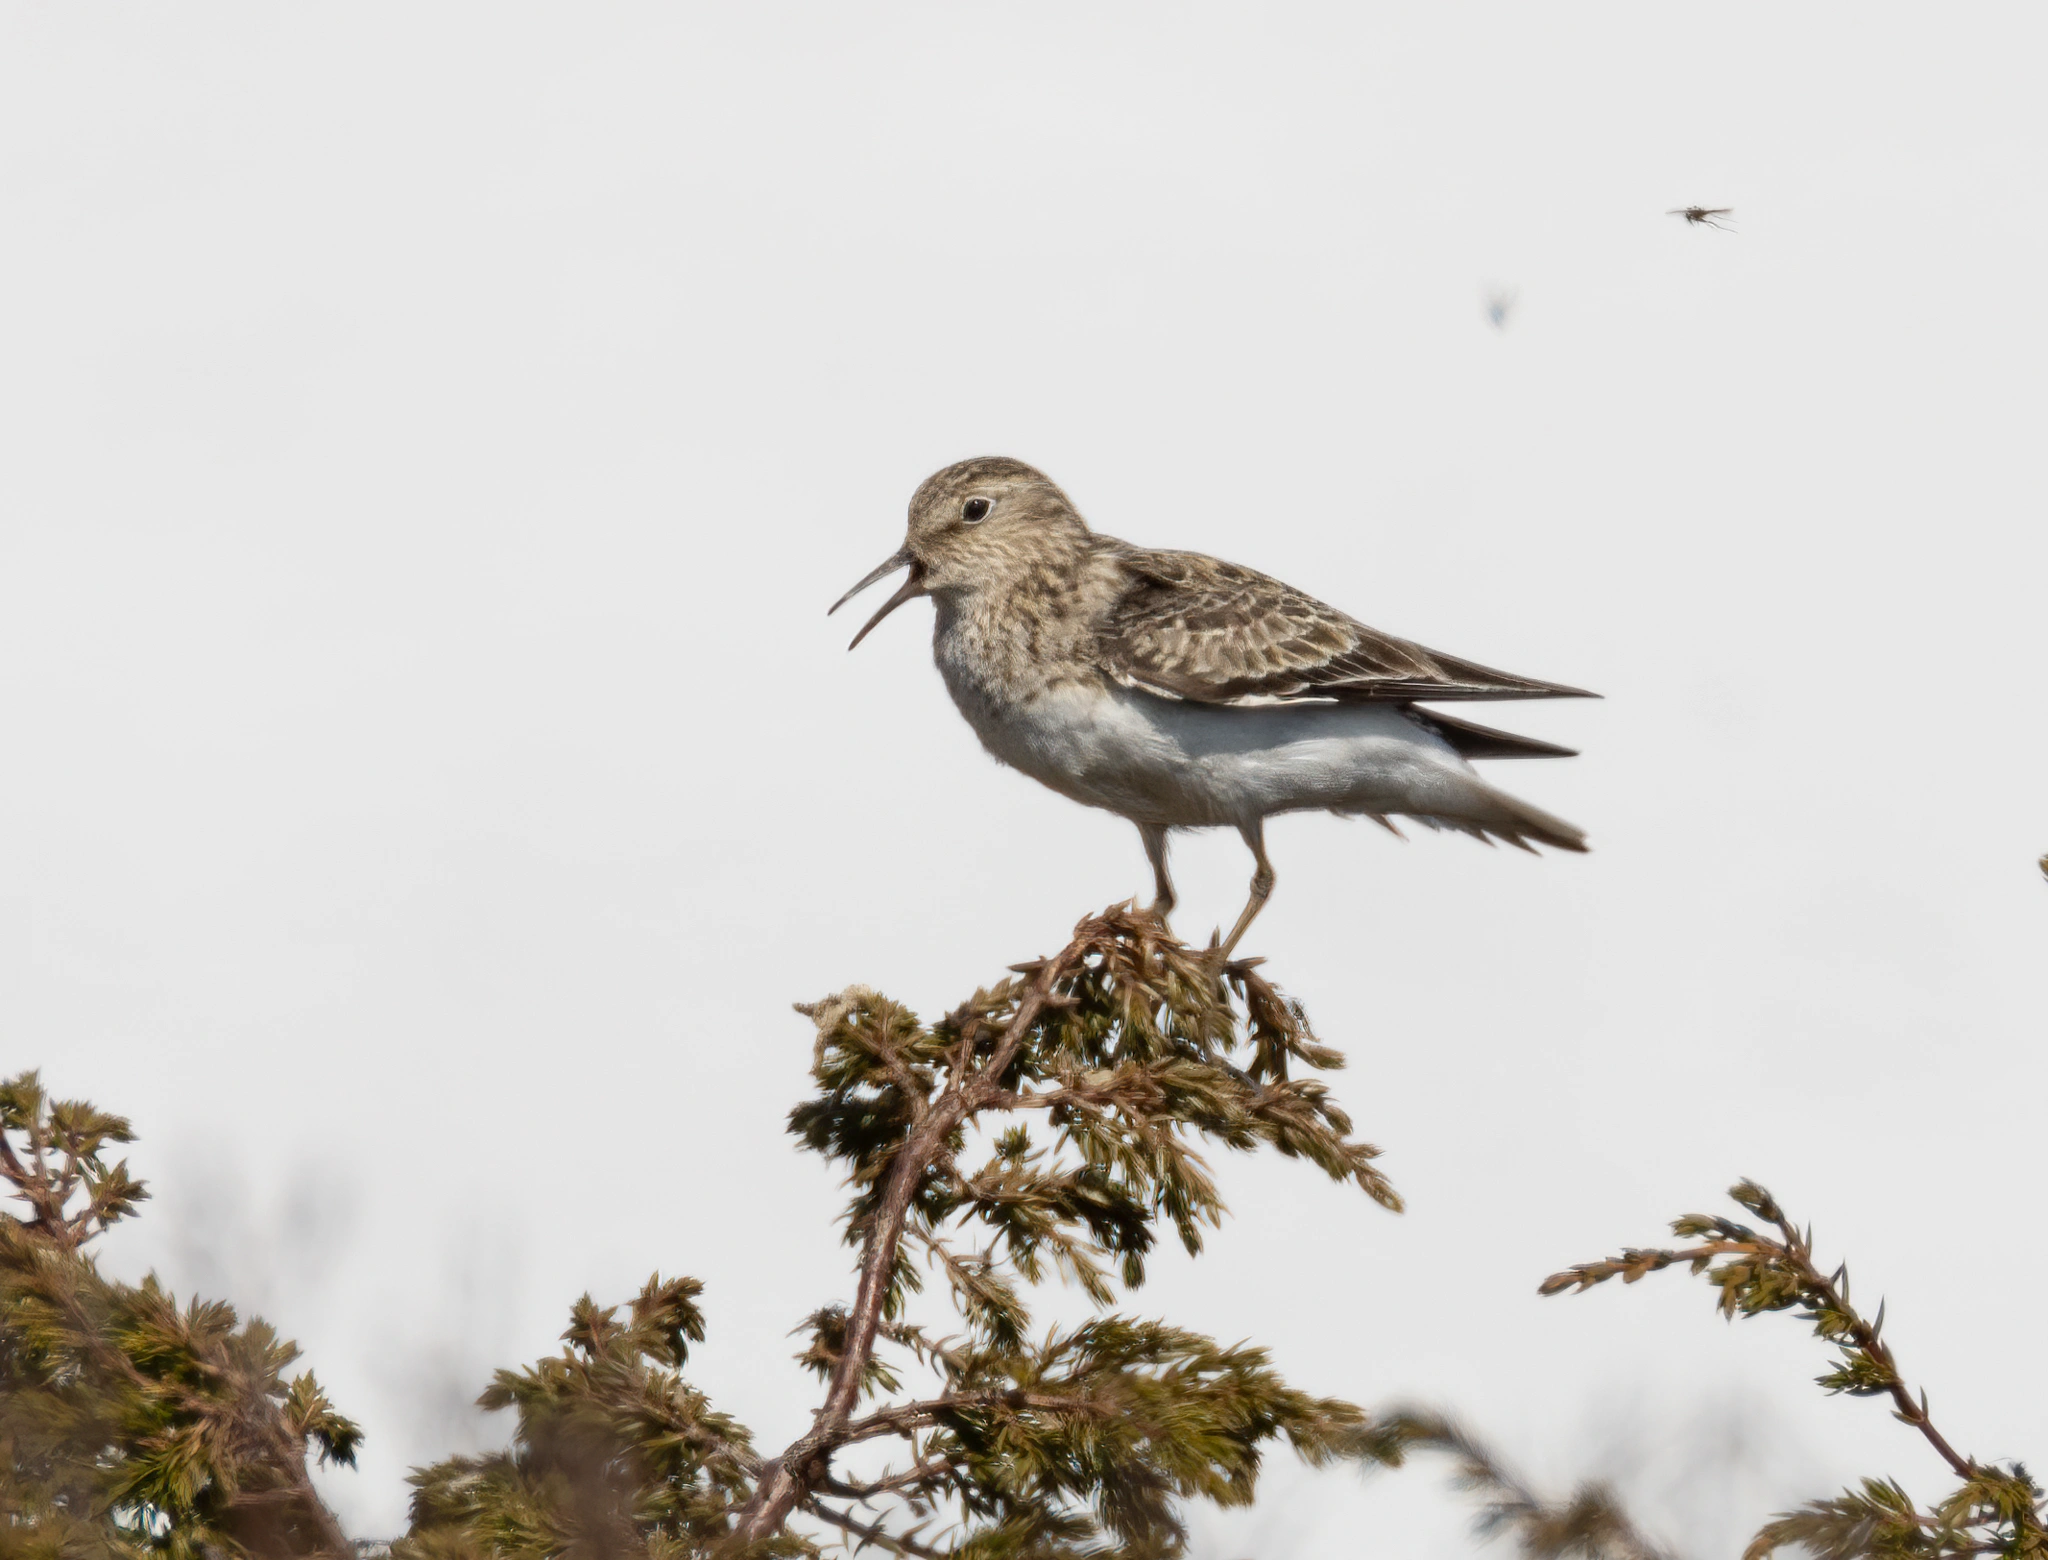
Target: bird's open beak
910,589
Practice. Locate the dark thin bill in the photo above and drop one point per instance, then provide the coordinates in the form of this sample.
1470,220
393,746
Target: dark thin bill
909,590
888,565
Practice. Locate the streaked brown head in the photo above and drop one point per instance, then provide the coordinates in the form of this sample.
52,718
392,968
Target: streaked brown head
974,526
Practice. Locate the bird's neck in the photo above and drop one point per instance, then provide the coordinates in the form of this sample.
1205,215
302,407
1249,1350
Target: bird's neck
1033,628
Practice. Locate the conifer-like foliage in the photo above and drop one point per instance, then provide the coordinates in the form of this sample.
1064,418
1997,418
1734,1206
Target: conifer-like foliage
1052,1127
616,1454
130,1426
1588,1524
1991,1511
1048,1126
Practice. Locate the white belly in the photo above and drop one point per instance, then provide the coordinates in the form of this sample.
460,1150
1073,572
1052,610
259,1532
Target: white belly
1189,765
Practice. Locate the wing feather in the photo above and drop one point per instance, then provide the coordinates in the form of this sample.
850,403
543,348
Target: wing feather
1193,627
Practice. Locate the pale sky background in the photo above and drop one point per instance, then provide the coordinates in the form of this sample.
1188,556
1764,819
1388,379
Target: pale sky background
432,434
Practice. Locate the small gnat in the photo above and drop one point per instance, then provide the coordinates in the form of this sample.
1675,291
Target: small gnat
1703,216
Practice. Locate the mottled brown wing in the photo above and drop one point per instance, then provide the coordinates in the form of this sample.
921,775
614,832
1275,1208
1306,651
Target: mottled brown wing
1193,627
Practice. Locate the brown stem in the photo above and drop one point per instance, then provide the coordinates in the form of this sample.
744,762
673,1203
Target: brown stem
905,1080
888,1482
10,1166
1794,1249
1867,1340
903,1418
873,1533
786,1482
36,1190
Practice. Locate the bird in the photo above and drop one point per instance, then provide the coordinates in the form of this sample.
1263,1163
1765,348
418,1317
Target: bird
1183,692
1702,216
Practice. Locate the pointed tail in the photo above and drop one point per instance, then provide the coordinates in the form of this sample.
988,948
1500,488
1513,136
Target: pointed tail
1515,821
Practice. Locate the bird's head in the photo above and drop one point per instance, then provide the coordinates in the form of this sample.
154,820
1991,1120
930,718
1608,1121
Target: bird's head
973,526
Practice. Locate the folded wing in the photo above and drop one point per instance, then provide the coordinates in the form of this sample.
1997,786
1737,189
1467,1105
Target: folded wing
1193,627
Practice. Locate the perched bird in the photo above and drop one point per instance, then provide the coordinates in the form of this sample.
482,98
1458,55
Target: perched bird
1183,692
1703,216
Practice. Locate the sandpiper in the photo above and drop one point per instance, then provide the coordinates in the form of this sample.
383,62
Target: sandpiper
1183,692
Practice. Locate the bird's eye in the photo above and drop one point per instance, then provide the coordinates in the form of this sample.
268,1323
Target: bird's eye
976,511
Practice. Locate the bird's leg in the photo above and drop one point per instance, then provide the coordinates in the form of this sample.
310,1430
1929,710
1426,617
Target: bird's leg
1163,897
1262,881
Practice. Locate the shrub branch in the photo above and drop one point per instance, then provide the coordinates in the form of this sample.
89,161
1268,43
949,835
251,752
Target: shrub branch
1993,1510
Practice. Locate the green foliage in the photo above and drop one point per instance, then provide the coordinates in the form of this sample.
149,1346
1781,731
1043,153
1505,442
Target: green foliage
130,1426
1099,1429
1046,1127
1590,1525
1053,1126
63,1142
1992,1511
615,1453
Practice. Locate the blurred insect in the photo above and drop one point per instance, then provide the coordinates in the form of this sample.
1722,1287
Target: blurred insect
1703,216
2043,864
1500,303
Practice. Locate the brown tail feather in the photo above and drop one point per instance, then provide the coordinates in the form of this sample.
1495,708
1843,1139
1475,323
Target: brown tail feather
1472,740
1496,816
1517,822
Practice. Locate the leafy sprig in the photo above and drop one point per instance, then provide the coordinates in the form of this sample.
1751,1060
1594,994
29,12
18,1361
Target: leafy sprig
59,1168
1992,1511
